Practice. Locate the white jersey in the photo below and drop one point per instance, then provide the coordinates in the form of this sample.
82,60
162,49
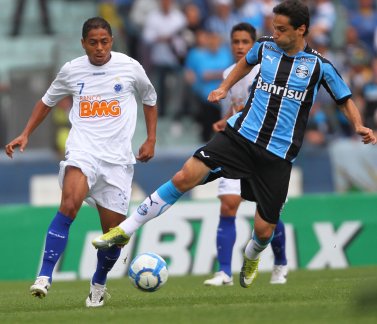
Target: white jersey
104,110
237,96
239,93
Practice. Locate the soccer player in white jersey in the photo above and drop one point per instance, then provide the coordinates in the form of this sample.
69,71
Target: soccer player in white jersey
243,36
98,165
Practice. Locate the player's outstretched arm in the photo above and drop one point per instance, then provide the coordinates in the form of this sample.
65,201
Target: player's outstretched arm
353,115
241,69
39,113
146,150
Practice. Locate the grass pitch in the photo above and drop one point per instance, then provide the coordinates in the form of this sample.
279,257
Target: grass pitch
326,296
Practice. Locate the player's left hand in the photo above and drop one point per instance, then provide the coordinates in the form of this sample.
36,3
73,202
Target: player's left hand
367,135
219,125
146,151
216,95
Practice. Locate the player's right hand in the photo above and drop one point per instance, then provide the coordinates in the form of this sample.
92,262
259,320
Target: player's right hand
146,151
367,135
20,141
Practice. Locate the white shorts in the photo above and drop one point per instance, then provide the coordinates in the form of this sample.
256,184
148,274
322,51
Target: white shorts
109,184
229,187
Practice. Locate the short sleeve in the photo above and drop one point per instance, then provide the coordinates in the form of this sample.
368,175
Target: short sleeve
144,86
252,54
58,88
334,84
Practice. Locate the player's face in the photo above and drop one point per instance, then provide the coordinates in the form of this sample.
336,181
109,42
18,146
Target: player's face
97,46
241,43
285,36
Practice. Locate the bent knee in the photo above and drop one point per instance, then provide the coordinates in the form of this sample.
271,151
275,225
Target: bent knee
182,181
264,234
192,173
229,204
228,209
69,208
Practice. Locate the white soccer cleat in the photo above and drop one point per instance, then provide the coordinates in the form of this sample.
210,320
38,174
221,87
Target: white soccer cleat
97,295
220,279
40,287
279,274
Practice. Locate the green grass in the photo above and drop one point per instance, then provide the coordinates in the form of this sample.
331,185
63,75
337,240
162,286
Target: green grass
326,296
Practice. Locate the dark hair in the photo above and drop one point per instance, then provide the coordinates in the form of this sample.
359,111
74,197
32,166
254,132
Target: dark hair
296,11
94,23
245,27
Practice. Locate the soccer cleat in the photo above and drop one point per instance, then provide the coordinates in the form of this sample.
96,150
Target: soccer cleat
249,271
97,296
115,236
40,287
220,279
279,274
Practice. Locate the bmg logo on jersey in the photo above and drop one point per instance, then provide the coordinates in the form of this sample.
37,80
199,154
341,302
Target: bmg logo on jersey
98,108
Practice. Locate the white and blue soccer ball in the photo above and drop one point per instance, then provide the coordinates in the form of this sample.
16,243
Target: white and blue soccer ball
148,272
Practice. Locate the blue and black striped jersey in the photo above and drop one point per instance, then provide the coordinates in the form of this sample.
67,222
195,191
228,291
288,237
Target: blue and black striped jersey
283,92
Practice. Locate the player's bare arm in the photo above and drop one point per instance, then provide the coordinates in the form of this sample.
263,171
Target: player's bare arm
352,113
146,150
39,113
241,69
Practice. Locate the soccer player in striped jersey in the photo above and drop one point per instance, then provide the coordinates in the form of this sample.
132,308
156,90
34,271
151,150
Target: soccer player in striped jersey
243,37
98,165
260,142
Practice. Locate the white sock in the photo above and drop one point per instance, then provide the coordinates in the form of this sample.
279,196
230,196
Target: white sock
150,208
255,248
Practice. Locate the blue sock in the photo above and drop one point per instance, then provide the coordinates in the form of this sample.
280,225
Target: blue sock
105,262
278,244
152,206
56,240
226,237
169,193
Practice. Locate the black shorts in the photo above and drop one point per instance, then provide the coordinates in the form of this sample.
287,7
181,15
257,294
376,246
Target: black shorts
264,176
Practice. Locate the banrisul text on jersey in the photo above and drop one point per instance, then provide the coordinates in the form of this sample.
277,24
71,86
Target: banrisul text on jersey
277,111
281,91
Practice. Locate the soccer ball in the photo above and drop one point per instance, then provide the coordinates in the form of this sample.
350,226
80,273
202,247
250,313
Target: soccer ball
148,272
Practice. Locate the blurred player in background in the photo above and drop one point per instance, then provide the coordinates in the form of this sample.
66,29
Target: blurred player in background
98,165
243,37
259,143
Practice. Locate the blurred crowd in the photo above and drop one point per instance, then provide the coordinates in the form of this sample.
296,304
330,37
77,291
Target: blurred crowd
184,47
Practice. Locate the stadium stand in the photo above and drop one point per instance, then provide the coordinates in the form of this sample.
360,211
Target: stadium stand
32,51
30,60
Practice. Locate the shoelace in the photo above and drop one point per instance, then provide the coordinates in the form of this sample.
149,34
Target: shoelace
98,293
110,229
222,275
248,265
41,281
277,270
116,231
